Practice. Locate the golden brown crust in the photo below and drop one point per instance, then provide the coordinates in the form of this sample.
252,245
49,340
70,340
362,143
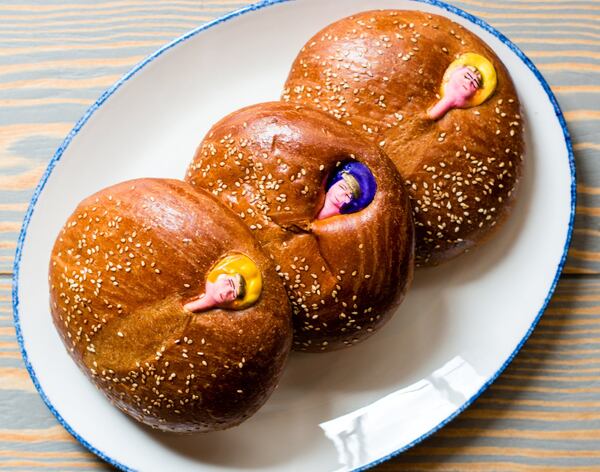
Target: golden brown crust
344,275
379,72
120,269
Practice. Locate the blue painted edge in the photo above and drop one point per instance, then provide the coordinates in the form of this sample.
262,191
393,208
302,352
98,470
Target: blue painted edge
257,6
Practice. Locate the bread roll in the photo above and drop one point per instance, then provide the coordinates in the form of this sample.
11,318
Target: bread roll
283,169
388,75
122,268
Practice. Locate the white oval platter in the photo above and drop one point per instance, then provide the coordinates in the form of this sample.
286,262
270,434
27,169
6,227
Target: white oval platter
458,329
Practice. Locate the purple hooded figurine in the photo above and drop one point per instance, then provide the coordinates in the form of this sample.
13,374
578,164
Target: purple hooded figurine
350,188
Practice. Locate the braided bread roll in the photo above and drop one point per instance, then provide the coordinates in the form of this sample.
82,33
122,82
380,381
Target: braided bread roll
123,267
388,75
345,274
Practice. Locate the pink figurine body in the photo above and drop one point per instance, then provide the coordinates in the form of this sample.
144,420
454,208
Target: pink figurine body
460,88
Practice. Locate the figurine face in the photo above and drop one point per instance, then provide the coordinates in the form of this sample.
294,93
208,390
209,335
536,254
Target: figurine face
225,289
339,194
468,82
463,83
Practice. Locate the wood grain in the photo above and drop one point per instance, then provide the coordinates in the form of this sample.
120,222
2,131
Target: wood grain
542,414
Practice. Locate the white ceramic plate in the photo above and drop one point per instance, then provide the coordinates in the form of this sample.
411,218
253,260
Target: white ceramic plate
459,327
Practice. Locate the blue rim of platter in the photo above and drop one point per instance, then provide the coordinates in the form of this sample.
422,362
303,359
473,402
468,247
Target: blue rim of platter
257,6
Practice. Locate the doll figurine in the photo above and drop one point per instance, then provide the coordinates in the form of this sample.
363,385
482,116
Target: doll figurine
233,283
467,82
350,189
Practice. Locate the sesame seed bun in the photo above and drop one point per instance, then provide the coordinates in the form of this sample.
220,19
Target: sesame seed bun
344,275
378,73
120,271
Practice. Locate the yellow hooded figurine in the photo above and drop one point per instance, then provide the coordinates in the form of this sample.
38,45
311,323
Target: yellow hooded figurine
248,276
485,69
233,283
468,81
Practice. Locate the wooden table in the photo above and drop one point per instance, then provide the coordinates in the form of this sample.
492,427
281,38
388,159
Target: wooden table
542,414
